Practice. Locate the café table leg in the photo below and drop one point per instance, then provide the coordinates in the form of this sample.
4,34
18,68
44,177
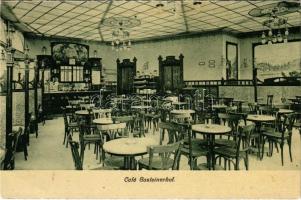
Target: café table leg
211,154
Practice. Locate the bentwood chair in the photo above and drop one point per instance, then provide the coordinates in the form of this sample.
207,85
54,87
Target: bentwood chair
279,135
239,151
9,159
70,126
113,131
78,164
160,157
193,148
89,135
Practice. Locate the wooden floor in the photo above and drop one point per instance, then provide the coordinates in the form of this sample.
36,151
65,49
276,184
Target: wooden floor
48,153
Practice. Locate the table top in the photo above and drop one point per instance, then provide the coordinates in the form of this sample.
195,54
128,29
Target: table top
184,111
83,112
179,103
140,107
219,106
285,111
102,110
239,101
87,104
261,118
211,128
103,121
129,146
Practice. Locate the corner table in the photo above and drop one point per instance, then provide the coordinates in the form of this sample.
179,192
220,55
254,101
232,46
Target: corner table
211,130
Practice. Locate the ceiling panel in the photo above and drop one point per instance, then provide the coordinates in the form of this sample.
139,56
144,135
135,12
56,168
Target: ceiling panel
80,19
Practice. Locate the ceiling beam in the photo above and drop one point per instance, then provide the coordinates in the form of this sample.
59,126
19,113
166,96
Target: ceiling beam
103,18
184,16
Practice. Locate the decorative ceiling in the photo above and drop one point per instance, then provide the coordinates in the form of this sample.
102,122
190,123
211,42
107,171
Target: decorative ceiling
83,19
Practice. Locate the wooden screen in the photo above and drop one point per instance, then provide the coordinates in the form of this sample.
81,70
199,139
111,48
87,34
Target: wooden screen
126,71
171,73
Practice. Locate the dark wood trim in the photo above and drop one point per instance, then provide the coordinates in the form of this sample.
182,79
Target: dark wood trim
36,112
234,44
9,97
26,100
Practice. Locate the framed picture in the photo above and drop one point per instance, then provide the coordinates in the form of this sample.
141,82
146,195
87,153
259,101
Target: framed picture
201,63
211,63
69,53
231,61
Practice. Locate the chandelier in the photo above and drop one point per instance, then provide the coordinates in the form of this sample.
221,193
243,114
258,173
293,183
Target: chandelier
121,34
277,26
277,30
121,39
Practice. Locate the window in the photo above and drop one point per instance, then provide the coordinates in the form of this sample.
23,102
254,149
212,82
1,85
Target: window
72,73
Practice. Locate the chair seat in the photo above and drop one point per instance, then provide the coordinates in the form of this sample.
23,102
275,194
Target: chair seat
225,142
297,125
203,166
73,125
227,152
196,141
156,164
153,116
197,151
275,134
115,162
92,137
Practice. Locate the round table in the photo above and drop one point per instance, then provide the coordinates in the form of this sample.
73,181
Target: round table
140,107
260,118
211,130
219,106
285,111
181,112
83,112
179,104
128,148
103,121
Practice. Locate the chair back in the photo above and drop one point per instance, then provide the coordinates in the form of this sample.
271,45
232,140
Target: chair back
165,152
223,117
270,100
13,139
244,136
102,113
175,132
129,120
252,108
113,130
287,124
240,116
75,153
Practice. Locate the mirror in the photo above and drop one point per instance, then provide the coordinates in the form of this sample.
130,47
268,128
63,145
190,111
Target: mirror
232,61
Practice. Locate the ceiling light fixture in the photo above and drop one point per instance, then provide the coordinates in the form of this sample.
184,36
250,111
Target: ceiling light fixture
120,34
196,2
275,25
